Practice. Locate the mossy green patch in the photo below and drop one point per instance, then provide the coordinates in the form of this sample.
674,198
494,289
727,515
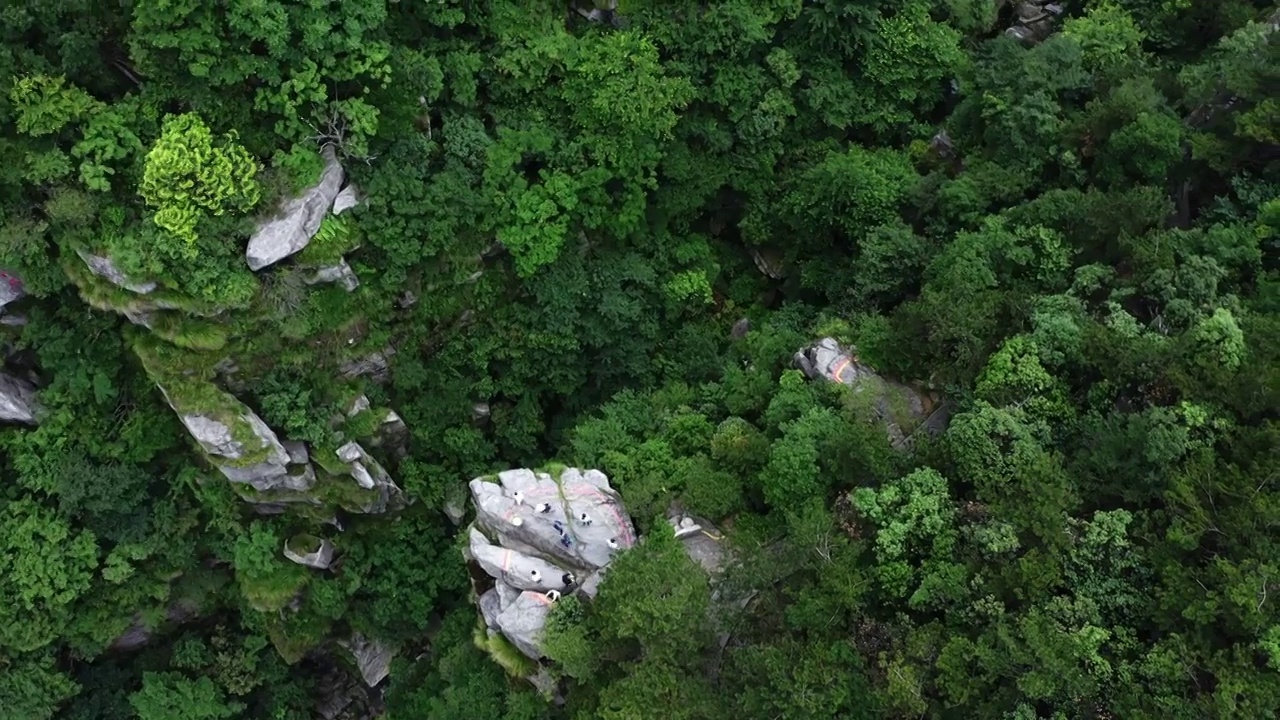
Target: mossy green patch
516,663
186,383
102,294
337,236
189,333
293,643
273,592
304,543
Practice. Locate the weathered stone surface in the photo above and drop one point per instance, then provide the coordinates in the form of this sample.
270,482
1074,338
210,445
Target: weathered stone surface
105,268
559,535
17,400
521,571
227,453
370,475
359,405
372,657
942,145
540,538
319,559
522,622
348,198
392,433
350,452
340,273
297,219
1035,21
376,366
702,541
12,288
534,535
490,608
297,452
894,404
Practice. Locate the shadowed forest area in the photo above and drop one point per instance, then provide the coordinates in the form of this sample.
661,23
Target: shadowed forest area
958,319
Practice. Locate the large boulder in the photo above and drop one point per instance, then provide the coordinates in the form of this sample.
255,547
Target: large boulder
903,409
298,218
373,658
244,449
1036,21
17,400
577,521
538,537
237,441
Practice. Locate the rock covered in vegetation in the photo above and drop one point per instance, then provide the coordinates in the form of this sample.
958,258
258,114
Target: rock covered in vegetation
896,404
376,366
298,218
17,400
104,267
310,551
253,456
536,535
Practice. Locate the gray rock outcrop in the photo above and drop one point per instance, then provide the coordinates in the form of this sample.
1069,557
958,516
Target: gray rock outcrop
298,218
12,289
340,273
373,658
898,406
537,536
348,198
243,448
104,267
17,400
320,558
376,366
1035,22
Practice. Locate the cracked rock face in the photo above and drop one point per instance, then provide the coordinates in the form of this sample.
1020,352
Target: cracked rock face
534,534
298,219
17,400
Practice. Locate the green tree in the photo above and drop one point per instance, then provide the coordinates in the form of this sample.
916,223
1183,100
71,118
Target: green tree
41,585
187,175
171,695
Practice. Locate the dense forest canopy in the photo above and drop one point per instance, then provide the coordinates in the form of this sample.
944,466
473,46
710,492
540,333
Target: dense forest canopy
281,276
